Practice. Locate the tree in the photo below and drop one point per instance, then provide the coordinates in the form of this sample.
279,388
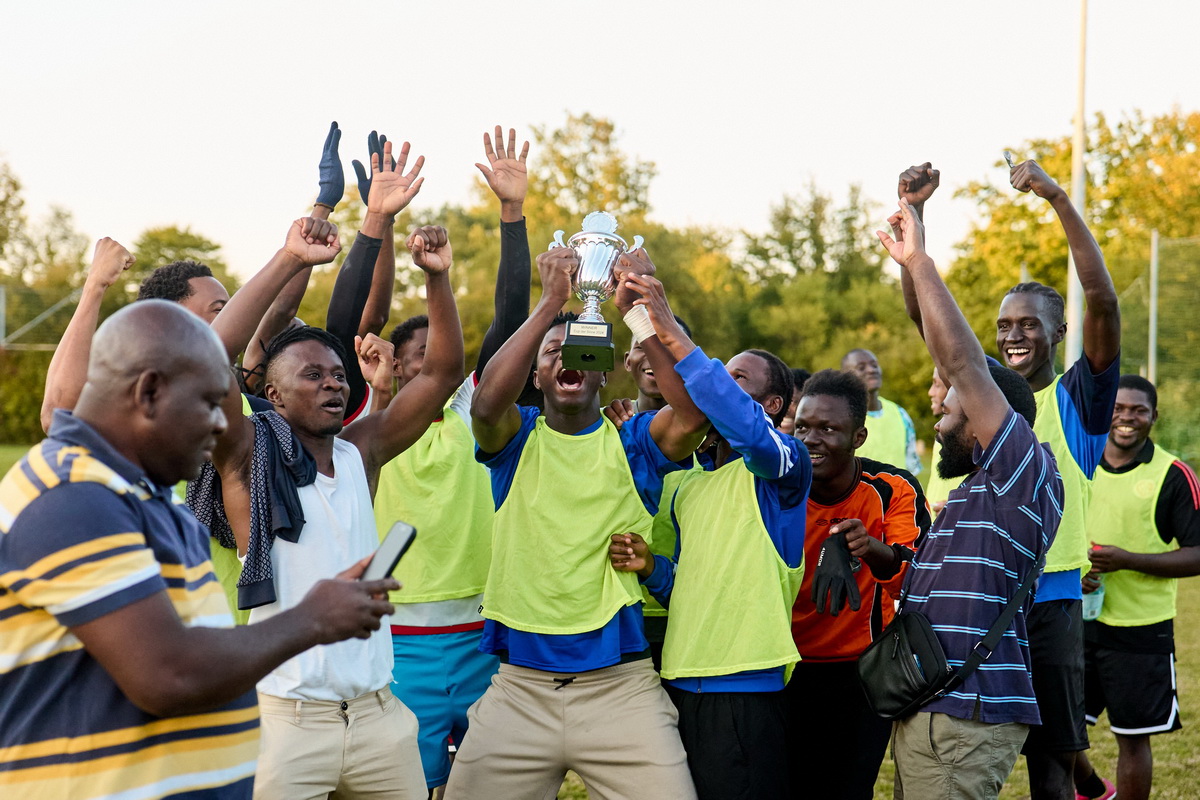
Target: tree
1143,173
158,246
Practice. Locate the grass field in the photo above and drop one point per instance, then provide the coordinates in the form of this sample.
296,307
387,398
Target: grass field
1176,755
11,454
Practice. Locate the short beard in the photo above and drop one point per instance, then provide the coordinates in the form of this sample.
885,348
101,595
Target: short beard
957,457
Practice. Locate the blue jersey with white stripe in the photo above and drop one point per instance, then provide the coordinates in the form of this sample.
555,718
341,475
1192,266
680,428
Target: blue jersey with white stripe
994,529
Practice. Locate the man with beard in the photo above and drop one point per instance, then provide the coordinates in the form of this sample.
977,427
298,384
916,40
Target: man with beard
938,488
874,513
575,689
1074,414
994,530
1144,522
891,438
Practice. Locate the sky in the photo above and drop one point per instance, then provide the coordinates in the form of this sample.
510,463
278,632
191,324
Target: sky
212,115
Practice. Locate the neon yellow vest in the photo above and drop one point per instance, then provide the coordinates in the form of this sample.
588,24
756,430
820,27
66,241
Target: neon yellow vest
226,565
887,437
1069,549
731,608
663,543
939,488
439,488
1122,514
550,571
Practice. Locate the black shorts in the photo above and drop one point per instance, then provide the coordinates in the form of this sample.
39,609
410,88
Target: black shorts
1136,689
1056,650
734,742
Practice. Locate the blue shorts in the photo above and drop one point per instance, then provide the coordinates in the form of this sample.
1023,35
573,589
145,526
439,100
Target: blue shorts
439,676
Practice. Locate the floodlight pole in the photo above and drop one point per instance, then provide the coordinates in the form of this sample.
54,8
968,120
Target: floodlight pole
1074,341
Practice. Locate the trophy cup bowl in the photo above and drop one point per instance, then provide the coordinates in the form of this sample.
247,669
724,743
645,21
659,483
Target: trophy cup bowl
588,345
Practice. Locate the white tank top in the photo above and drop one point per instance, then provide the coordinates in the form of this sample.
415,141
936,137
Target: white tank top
339,529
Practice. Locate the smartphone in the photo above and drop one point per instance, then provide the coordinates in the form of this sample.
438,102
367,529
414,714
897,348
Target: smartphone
393,548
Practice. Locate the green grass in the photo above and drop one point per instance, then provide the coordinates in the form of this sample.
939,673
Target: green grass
11,454
1176,755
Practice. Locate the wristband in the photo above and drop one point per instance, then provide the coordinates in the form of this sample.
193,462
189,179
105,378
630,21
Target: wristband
638,322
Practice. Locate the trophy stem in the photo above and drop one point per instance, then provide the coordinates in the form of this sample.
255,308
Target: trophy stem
591,309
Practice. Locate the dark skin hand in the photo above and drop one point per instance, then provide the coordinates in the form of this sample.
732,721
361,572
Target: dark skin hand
506,174
879,558
1102,313
630,553
916,185
176,669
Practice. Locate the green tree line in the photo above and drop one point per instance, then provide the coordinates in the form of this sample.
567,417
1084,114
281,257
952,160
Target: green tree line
811,287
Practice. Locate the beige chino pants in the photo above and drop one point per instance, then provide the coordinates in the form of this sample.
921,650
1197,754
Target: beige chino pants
615,727
939,757
360,748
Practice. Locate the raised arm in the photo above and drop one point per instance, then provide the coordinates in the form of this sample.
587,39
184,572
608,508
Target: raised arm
309,242
955,350
494,415
390,191
331,185
68,367
1102,312
508,179
680,427
916,185
383,436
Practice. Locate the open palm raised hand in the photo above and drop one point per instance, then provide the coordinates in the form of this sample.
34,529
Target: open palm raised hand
506,173
391,187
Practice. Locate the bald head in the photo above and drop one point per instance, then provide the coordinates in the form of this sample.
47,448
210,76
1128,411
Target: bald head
151,335
155,382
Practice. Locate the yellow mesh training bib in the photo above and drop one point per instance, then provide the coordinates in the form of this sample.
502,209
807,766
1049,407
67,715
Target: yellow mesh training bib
550,570
731,608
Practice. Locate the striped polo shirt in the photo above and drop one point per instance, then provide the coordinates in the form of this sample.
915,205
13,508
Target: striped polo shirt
83,533
994,529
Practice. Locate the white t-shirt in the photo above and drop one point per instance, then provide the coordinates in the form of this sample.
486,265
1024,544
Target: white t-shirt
339,529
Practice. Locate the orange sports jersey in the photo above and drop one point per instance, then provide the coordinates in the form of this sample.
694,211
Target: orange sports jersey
891,505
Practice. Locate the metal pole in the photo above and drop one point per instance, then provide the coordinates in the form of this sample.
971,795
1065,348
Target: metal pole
1079,199
3,312
1152,343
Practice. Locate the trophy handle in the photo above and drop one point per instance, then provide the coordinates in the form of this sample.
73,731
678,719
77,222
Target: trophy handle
637,242
558,242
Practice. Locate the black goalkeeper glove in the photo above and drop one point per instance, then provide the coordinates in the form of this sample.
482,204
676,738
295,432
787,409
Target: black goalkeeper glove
834,577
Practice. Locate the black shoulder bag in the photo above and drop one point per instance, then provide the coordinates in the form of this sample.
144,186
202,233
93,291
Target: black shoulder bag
905,668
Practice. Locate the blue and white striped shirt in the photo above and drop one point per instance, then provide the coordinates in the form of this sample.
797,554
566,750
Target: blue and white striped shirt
994,529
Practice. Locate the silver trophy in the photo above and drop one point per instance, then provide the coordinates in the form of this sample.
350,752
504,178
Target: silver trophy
588,344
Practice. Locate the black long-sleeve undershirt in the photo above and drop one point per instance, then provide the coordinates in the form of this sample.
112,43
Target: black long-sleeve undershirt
513,285
346,304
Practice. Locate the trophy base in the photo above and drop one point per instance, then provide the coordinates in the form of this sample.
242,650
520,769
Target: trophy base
588,347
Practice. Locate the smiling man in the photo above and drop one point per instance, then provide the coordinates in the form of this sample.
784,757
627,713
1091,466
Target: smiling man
575,689
1144,522
876,513
1074,411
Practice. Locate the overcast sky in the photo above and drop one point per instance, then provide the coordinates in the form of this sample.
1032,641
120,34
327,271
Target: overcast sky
211,115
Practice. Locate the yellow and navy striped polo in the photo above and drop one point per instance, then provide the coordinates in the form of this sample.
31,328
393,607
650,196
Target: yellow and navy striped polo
83,533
